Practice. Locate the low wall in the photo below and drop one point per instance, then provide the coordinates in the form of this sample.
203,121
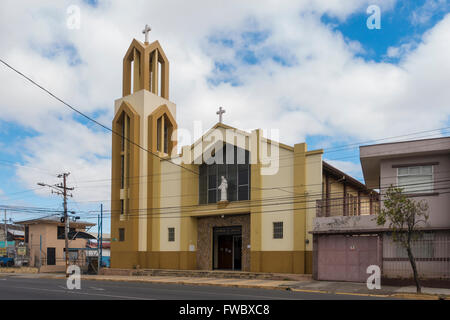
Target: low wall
346,223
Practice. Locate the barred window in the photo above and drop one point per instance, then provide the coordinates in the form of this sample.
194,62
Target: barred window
278,230
171,232
121,234
415,179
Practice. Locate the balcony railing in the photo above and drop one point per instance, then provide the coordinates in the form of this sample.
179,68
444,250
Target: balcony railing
349,206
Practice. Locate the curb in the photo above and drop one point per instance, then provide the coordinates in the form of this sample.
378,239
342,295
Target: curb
182,282
392,295
345,293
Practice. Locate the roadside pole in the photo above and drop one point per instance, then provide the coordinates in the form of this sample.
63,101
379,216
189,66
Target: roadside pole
100,239
40,252
6,236
98,244
66,220
61,189
101,235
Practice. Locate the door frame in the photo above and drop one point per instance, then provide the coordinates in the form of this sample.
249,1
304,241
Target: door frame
54,256
234,230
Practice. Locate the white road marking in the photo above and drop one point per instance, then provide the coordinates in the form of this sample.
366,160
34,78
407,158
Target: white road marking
98,289
253,296
85,293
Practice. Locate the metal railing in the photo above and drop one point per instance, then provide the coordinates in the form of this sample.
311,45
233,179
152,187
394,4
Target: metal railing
431,253
349,206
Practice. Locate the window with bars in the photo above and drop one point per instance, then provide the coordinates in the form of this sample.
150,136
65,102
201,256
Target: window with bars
171,233
278,230
235,167
415,179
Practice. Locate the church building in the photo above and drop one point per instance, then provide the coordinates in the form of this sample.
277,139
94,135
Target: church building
233,200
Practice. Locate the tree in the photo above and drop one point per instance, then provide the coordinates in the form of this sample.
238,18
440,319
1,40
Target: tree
403,216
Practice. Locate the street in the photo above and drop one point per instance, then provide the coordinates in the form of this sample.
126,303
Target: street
28,288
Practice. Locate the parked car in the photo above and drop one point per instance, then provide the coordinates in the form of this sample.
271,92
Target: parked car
6,262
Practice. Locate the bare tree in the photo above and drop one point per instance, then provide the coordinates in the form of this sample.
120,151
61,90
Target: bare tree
403,216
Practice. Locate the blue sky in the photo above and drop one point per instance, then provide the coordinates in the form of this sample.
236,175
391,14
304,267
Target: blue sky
289,65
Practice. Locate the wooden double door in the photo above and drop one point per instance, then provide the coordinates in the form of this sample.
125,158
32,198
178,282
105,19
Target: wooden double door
229,249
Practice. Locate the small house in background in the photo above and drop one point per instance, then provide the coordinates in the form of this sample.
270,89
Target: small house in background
48,234
15,234
106,248
14,239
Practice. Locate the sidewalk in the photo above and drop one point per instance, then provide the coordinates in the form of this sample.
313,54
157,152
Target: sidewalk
347,288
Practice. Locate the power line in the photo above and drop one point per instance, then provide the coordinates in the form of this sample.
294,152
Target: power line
138,215
245,206
290,210
89,118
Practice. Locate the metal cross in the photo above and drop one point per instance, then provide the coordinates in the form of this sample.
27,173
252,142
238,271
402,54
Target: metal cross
220,113
146,30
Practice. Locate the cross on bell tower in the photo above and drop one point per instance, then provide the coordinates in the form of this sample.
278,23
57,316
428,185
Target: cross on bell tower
220,113
146,30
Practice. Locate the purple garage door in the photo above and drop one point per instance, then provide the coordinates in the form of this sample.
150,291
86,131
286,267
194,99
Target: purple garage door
346,258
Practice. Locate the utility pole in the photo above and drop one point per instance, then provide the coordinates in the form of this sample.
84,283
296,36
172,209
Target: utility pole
6,236
100,239
61,189
98,244
40,252
101,234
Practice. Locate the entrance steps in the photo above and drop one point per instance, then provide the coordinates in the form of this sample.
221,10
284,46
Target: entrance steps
225,274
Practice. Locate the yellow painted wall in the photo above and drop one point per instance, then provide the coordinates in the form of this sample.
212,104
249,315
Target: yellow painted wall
170,199
283,179
313,190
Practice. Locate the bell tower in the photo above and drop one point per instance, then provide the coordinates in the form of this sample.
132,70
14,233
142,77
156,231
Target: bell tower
144,128
145,66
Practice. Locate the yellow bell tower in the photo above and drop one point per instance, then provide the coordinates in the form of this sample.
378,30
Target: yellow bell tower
144,128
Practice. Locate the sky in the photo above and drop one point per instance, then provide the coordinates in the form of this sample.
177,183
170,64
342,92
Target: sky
311,69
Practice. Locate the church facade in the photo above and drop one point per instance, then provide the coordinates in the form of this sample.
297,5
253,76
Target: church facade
232,200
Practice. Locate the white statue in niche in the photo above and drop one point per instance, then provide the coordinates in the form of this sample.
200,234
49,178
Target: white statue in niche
223,189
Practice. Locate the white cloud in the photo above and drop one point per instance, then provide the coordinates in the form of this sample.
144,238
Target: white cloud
424,13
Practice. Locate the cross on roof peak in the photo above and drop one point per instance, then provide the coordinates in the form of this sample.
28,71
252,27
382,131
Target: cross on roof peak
146,30
220,113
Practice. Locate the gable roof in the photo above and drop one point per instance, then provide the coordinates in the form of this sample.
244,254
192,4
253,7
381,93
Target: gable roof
328,168
242,132
55,219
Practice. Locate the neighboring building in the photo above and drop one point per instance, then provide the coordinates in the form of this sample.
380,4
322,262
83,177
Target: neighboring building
106,248
15,234
166,210
13,247
345,246
51,231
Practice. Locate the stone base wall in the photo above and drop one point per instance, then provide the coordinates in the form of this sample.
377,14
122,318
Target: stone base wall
205,238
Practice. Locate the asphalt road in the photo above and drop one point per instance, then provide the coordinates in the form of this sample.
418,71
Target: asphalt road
20,288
